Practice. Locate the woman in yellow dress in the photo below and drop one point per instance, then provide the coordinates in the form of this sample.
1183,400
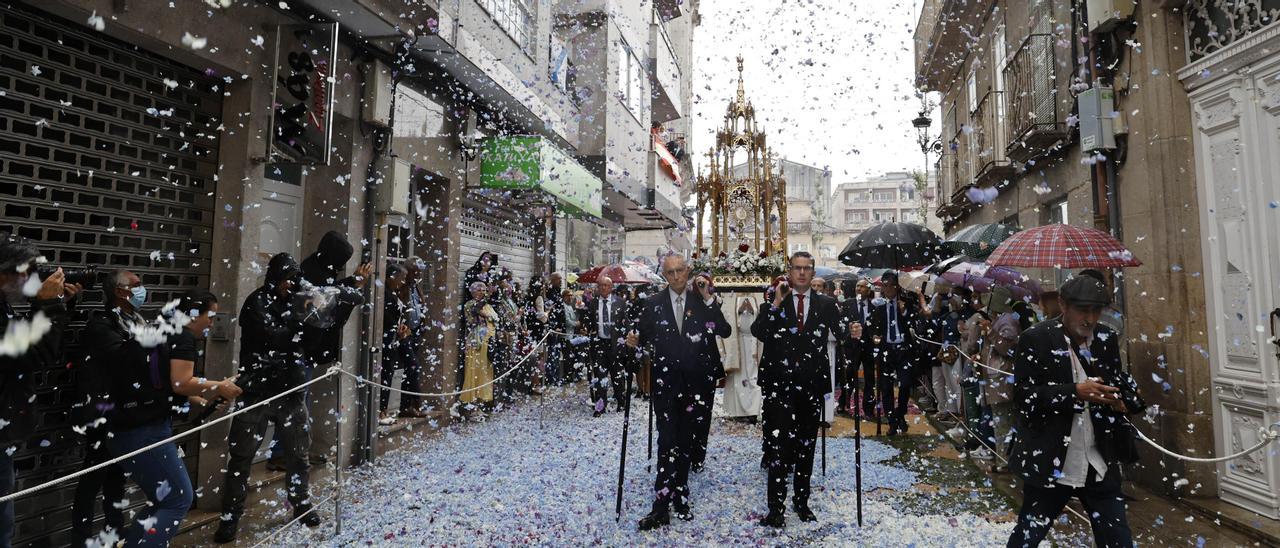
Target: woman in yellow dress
481,319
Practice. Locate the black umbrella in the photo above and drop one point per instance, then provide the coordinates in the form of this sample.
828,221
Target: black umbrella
896,246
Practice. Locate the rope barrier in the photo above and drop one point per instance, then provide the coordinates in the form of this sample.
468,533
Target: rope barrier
1268,434
961,423
56,481
295,519
510,370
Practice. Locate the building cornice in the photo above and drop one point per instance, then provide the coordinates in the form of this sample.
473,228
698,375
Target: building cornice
1228,60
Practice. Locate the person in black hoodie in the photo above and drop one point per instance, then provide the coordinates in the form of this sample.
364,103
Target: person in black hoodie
322,343
18,259
109,349
271,362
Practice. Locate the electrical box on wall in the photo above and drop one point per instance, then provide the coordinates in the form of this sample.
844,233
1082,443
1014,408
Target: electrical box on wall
1097,119
376,103
1104,15
392,188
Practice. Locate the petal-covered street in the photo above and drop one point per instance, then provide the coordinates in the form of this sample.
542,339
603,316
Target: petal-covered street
545,474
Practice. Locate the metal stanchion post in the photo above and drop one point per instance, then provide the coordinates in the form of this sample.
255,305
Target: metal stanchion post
337,463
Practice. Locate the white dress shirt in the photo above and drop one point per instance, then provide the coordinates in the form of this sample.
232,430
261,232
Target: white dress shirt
678,306
604,315
1082,451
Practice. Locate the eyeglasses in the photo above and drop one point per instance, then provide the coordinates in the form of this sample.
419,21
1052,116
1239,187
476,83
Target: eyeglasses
670,272
802,268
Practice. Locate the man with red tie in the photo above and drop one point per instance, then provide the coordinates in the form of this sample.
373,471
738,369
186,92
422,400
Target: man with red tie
794,376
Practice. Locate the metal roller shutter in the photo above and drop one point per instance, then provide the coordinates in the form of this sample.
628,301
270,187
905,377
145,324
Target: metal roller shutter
497,230
102,162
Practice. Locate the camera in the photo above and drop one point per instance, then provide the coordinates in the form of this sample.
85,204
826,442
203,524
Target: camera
85,276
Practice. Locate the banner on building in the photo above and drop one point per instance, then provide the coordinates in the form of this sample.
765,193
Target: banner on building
529,162
302,99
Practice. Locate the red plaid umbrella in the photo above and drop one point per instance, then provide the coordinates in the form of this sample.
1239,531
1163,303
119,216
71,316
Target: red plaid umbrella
619,273
1062,246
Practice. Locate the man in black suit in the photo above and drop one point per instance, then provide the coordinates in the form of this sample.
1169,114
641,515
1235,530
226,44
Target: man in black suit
1072,396
891,323
605,319
794,376
678,328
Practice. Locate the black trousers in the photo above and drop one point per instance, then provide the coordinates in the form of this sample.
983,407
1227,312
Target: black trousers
293,432
109,480
791,417
895,372
607,369
1102,500
678,411
870,382
702,431
403,356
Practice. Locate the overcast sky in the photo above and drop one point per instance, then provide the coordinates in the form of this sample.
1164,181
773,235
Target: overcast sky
831,80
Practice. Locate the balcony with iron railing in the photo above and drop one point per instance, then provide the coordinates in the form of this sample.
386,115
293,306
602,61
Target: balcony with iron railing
1034,121
991,137
664,72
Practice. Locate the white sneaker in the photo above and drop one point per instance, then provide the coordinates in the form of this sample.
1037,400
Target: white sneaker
982,453
956,433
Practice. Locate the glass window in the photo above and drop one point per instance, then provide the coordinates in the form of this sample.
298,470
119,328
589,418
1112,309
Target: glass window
516,18
558,63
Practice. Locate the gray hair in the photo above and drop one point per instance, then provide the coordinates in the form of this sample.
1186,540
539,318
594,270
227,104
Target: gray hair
477,285
668,256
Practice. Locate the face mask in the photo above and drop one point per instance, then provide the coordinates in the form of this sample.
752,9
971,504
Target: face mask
139,296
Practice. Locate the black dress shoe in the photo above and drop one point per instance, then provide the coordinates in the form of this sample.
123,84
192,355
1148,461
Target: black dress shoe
597,413
654,520
683,512
774,519
227,530
804,513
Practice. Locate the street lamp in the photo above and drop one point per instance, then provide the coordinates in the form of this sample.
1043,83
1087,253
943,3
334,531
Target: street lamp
922,123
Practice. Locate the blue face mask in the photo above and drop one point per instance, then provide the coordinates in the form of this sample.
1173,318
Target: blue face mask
139,296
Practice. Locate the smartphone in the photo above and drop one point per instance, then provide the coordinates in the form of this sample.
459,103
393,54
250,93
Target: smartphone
366,256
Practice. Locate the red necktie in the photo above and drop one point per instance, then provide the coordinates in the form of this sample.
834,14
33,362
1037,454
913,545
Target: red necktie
800,311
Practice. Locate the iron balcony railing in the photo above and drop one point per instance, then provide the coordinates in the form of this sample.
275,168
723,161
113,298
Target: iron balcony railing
990,139
1031,76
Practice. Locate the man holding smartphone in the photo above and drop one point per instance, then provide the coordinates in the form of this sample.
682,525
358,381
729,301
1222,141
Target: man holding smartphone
794,376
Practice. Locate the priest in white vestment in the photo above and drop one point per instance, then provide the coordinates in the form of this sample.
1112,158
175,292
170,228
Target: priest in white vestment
742,397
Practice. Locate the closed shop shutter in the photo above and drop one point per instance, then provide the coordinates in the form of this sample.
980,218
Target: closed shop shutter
102,162
497,230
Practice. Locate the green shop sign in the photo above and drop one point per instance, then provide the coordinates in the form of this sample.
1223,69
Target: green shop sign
525,162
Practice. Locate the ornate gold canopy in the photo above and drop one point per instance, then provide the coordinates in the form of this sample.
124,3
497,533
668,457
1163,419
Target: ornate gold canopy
748,207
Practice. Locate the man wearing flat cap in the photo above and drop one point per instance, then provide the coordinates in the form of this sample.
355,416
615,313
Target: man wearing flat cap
1072,396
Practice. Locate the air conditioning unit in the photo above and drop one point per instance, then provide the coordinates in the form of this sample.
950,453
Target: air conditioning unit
1104,15
376,103
392,187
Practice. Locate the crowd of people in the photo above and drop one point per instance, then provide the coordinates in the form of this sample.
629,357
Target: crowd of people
990,366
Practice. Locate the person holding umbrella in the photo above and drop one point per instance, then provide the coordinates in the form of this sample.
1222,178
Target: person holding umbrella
891,323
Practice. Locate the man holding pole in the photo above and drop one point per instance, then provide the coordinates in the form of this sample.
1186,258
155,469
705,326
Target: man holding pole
678,328
794,377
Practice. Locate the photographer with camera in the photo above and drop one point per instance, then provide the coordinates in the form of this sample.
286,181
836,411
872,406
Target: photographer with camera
29,350
271,362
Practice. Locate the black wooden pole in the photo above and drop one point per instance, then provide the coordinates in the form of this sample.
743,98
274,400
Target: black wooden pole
622,458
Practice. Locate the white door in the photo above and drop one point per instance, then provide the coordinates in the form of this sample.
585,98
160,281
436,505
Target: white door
1236,125
281,225
281,230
